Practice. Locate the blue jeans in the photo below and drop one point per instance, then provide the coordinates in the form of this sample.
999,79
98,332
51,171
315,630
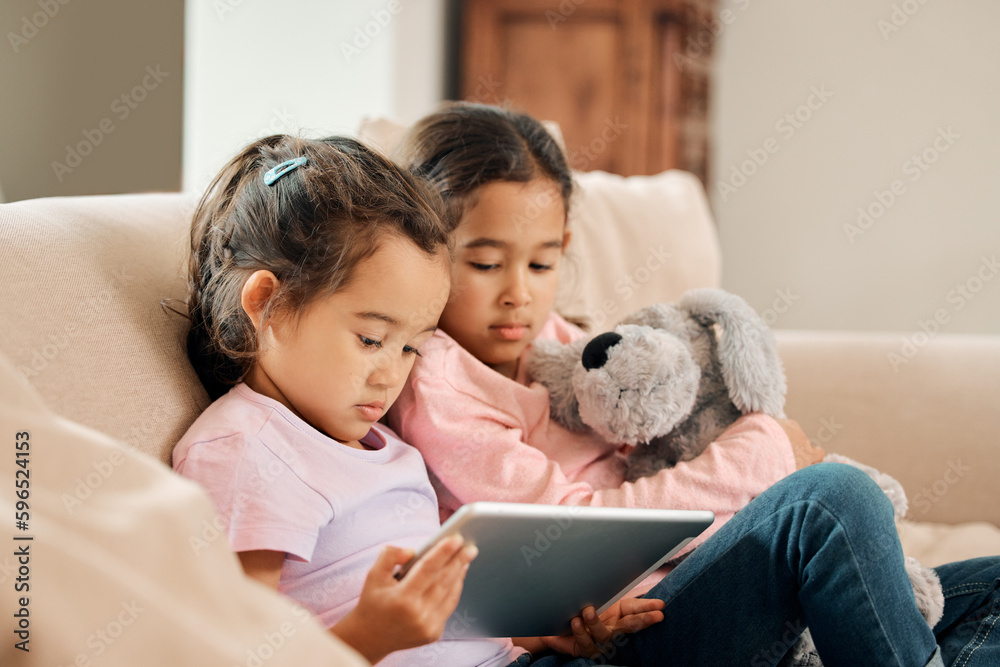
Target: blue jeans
818,549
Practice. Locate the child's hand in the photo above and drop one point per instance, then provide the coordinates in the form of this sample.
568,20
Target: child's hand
805,452
395,614
591,633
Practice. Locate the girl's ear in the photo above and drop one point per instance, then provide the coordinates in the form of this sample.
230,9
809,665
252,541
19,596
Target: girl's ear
257,292
566,237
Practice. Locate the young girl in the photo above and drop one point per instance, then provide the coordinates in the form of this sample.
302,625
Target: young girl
484,431
318,271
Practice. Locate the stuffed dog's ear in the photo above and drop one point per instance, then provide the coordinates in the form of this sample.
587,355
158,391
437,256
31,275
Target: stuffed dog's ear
552,363
748,353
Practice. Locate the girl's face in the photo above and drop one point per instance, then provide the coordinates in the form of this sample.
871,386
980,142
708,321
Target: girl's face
344,361
503,278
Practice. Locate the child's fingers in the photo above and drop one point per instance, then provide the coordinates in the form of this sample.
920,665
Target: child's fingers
452,592
387,561
445,589
565,644
600,633
426,571
640,605
585,644
447,585
637,622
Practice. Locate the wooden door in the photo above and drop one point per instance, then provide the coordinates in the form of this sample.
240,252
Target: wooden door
607,70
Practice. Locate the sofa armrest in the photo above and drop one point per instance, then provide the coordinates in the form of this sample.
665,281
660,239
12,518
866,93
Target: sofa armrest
929,415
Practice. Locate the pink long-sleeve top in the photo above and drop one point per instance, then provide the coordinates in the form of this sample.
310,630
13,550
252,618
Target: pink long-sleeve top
484,436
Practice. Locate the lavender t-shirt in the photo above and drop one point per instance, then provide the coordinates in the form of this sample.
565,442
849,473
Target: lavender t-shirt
281,485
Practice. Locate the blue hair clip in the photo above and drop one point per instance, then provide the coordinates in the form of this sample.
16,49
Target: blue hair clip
276,172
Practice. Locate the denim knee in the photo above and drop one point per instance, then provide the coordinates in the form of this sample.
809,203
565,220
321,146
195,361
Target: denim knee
846,491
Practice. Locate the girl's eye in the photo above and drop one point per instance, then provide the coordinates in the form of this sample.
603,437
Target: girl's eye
410,350
483,267
370,342
542,267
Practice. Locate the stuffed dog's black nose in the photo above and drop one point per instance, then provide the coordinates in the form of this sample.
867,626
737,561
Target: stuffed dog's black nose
595,354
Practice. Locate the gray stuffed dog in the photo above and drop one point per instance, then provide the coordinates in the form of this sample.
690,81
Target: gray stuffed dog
670,379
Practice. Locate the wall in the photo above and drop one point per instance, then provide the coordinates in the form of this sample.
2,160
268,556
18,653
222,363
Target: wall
887,106
92,97
303,66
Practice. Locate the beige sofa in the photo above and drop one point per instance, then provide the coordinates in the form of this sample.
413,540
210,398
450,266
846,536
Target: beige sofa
82,280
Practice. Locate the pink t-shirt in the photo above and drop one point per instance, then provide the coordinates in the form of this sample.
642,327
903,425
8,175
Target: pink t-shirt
487,437
281,485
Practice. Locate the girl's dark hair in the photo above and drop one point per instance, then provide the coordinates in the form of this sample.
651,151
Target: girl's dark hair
311,229
465,145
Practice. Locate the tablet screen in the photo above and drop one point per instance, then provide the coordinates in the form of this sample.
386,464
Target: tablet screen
539,565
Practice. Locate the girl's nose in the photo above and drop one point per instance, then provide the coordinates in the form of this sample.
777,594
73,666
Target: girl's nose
516,293
388,372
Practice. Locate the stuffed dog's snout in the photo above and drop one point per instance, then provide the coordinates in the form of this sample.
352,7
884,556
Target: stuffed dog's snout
595,355
634,382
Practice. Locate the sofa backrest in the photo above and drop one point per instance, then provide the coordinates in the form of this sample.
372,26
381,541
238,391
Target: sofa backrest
82,280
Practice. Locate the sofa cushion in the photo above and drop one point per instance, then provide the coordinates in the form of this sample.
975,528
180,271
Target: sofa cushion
935,544
81,281
635,241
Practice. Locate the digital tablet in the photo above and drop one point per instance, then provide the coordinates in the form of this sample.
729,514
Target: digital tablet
540,565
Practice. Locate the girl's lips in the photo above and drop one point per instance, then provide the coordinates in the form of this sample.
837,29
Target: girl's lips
510,331
372,411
